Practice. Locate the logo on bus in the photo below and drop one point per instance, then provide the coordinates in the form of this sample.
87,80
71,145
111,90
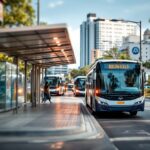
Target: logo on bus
120,98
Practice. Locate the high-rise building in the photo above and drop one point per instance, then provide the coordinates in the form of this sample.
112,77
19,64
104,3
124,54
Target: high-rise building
102,34
62,69
132,47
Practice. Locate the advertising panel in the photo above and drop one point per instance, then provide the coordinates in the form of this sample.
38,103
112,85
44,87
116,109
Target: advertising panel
1,11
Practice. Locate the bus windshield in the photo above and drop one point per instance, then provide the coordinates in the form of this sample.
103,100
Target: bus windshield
53,81
120,78
80,83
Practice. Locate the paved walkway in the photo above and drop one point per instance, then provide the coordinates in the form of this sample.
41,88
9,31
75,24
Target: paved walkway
51,123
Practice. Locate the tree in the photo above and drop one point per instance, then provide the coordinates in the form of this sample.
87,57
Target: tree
147,64
18,12
79,72
4,57
114,53
74,73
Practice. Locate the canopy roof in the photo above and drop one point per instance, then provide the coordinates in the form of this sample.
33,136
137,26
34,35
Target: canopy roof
44,46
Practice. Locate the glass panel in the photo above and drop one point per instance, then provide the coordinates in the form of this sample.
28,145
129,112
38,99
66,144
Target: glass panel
20,88
80,83
13,85
8,85
2,85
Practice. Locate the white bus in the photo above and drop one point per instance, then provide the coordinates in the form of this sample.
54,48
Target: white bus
79,86
56,84
115,85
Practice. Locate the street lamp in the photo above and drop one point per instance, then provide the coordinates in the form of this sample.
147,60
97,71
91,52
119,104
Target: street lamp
140,26
38,12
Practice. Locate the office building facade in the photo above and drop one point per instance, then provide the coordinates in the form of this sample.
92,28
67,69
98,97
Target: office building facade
132,46
102,34
55,70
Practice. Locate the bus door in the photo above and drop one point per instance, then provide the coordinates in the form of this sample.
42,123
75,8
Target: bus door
93,89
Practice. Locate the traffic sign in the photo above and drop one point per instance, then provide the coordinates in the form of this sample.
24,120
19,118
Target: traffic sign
135,50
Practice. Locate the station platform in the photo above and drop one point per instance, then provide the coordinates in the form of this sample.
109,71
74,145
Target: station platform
57,125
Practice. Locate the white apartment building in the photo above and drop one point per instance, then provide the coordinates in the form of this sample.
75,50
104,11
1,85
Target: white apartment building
132,46
102,34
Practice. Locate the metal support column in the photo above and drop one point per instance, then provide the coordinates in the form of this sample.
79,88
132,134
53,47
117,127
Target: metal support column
35,85
25,83
33,96
39,79
17,75
38,12
140,41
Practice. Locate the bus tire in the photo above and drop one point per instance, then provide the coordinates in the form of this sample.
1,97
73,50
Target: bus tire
75,94
86,100
133,113
93,111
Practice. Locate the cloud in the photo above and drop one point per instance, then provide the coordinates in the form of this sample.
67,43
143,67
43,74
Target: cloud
55,4
75,40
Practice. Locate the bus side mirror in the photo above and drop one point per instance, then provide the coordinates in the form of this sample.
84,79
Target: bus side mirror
94,76
144,75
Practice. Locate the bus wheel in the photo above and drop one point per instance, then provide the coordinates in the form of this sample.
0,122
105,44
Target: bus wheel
75,94
93,111
133,113
86,101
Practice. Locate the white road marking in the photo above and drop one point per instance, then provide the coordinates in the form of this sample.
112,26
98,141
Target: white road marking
138,132
123,121
120,139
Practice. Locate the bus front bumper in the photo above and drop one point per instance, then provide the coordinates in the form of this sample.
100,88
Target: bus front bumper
139,107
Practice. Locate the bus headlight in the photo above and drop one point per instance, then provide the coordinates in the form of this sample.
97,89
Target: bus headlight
77,91
58,88
20,91
139,100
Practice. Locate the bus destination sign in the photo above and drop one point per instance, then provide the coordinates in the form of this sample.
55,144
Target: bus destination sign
118,66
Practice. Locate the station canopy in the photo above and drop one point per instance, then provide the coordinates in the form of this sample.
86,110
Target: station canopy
44,46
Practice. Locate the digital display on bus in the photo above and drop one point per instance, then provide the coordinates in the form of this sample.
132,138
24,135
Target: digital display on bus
118,66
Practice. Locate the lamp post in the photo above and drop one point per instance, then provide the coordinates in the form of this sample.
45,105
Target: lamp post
38,12
139,23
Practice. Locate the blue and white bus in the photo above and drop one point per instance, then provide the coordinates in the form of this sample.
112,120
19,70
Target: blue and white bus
56,84
79,86
115,85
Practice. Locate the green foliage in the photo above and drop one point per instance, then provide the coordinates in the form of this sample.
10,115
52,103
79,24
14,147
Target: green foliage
4,57
79,72
21,68
18,12
147,64
114,53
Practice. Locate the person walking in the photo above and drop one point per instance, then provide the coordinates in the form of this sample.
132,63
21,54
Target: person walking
46,93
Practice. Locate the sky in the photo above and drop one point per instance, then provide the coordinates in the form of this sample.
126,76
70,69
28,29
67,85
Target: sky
74,12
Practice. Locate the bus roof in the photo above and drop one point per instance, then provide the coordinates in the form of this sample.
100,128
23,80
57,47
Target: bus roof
116,60
53,76
113,60
79,77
